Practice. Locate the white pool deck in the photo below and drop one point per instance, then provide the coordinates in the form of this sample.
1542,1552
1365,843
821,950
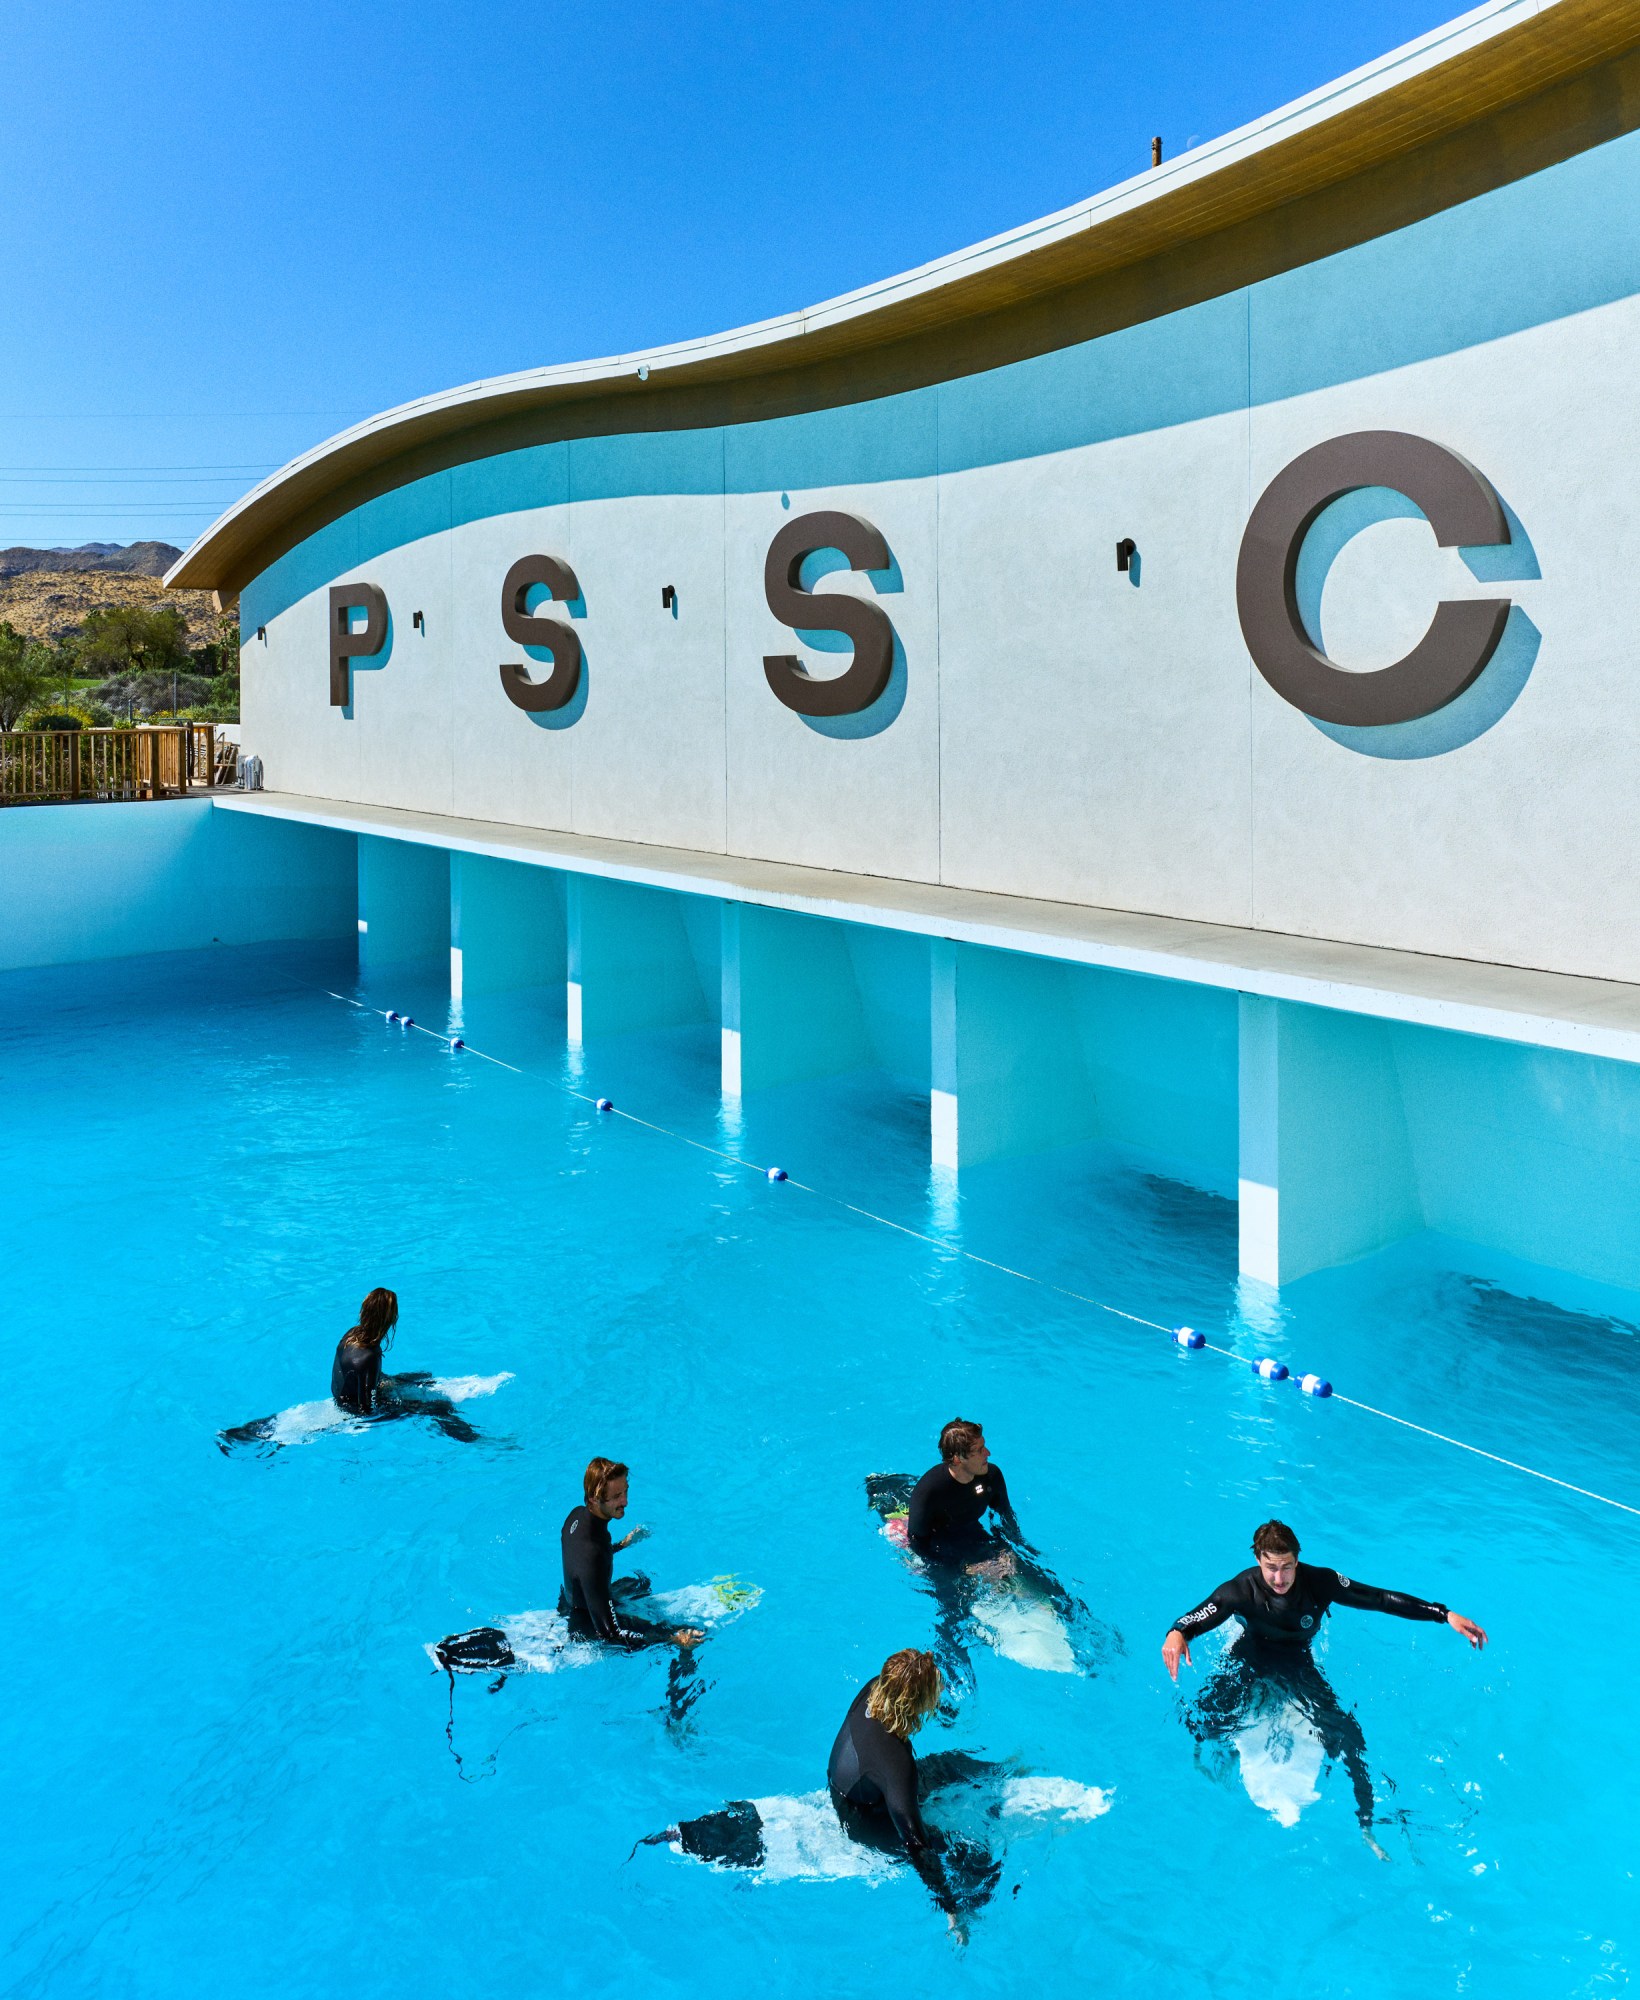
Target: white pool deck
1554,1010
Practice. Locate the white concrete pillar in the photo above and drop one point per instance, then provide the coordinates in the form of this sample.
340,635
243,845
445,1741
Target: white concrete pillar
506,925
1326,1171
404,902
635,957
791,1007
1008,1073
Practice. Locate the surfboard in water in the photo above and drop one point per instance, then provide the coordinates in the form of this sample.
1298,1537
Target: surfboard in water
540,1642
432,1396
1009,1600
802,1839
1281,1755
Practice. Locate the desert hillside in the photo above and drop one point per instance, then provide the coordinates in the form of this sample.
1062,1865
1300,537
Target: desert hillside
46,593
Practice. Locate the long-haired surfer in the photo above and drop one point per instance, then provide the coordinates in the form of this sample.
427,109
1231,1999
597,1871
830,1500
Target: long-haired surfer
872,1777
356,1372
359,1391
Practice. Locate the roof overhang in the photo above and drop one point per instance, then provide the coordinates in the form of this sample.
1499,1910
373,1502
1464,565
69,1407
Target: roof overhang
1492,96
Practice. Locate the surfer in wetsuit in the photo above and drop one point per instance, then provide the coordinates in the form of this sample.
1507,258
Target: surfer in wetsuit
960,1520
872,1777
589,1557
949,1503
876,1787
358,1385
1281,1603
356,1372
359,1388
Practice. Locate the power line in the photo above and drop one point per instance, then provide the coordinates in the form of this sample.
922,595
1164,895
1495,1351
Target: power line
271,466
100,514
147,479
162,416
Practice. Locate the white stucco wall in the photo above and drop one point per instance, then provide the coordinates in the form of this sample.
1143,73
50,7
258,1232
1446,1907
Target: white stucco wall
1058,730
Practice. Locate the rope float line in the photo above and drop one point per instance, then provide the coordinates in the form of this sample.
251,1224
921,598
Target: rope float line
1264,1366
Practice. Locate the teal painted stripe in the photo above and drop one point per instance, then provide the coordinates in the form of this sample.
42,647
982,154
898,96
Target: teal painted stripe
1558,243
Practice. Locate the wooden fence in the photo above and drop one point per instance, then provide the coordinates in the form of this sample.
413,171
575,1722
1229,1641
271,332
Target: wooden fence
150,763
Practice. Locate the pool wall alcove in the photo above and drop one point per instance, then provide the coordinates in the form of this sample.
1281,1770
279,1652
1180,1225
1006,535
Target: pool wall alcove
1344,1121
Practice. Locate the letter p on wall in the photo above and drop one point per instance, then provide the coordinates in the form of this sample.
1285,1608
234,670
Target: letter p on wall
346,645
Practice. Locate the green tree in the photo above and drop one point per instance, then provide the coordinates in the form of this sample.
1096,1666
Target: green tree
145,639
219,656
24,674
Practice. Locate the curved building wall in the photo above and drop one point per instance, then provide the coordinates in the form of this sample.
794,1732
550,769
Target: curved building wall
1054,727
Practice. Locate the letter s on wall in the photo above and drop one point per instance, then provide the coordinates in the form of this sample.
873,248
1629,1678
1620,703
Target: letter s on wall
558,638
865,623
1461,507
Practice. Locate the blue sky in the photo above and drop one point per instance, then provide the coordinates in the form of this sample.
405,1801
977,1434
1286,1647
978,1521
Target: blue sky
227,231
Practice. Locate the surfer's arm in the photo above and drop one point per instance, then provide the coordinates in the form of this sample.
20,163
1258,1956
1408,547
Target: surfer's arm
1368,1597
996,1492
1207,1617
586,1578
899,1788
920,1525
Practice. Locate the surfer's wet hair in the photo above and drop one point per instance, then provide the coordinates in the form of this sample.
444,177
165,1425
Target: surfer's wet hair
959,1439
906,1692
1274,1538
599,1477
377,1318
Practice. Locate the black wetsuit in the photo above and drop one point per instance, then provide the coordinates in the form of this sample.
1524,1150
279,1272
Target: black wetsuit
945,1513
586,1599
589,1557
1295,1619
873,1779
873,1768
1272,1662
354,1375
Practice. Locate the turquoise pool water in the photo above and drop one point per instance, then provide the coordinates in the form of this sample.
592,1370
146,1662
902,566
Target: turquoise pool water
230,1760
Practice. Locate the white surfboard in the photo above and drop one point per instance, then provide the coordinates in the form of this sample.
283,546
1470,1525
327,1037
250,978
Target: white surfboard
1024,1627
804,1841
1281,1757
310,1420
541,1641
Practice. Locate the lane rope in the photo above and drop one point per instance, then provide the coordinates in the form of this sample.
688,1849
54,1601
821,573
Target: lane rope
607,1109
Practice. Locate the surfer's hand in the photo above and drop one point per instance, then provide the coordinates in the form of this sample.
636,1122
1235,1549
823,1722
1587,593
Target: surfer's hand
688,1635
1175,1647
996,1568
634,1535
1467,1626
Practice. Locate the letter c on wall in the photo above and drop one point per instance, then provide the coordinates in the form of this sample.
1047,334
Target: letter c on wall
1462,508
866,624
558,638
346,645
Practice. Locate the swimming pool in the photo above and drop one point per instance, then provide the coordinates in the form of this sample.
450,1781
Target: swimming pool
229,1753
